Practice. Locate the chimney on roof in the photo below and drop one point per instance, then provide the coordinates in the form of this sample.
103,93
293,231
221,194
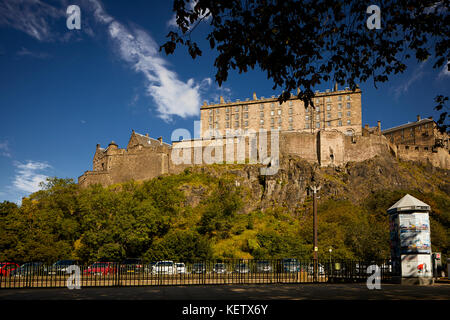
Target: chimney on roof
205,103
132,131
160,140
254,96
298,91
379,125
366,126
418,117
335,86
222,100
146,135
98,146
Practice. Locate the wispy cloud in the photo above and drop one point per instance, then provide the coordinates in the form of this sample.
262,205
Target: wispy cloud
4,149
172,95
172,23
135,46
445,72
31,17
24,52
418,73
29,175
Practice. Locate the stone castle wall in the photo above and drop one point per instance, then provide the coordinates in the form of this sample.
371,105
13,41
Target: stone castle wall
146,158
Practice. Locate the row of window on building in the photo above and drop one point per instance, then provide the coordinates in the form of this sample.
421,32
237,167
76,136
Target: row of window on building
261,107
272,113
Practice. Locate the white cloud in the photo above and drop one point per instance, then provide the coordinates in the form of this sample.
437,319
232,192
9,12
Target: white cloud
173,20
39,55
171,95
444,72
31,17
28,175
418,73
4,149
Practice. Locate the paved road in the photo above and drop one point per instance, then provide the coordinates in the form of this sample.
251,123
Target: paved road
238,292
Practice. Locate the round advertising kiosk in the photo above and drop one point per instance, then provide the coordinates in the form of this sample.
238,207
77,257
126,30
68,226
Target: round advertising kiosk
409,225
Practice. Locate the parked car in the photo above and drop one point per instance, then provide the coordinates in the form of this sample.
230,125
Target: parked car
242,268
320,268
290,265
29,268
59,267
164,267
180,267
8,268
131,265
101,269
198,268
263,266
220,268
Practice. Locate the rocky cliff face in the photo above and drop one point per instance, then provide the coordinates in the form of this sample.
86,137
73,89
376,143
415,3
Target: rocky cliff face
355,181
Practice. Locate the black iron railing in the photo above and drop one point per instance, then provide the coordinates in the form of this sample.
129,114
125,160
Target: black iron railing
170,272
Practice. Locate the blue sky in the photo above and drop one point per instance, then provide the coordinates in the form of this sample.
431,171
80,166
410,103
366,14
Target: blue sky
63,91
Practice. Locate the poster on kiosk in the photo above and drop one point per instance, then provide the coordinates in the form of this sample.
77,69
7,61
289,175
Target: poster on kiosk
410,238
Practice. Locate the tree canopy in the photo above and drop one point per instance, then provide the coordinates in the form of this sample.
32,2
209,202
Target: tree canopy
303,43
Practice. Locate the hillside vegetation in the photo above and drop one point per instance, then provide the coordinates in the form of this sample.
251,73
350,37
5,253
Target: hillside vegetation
224,211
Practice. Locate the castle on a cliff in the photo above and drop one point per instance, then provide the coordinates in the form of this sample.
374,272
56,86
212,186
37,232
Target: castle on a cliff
260,130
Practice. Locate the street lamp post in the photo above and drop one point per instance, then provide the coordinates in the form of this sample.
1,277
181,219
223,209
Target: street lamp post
315,189
330,250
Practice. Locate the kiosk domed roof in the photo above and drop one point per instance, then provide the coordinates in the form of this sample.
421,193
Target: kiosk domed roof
409,203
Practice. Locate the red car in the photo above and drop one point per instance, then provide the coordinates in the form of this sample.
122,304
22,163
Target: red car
101,269
7,267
